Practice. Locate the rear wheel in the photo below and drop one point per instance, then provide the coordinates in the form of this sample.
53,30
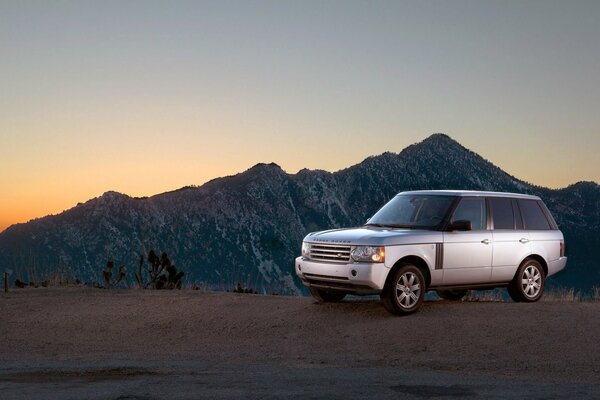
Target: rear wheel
326,296
405,290
452,295
528,283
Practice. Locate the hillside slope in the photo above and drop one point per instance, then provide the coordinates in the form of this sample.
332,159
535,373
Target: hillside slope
248,227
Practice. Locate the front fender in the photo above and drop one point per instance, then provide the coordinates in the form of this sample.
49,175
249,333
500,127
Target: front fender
426,252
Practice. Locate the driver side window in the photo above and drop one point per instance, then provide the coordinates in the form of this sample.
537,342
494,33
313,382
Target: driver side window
471,209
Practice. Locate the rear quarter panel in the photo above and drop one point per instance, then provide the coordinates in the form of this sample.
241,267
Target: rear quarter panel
546,244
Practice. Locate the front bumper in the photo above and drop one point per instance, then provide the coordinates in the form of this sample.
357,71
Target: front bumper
358,278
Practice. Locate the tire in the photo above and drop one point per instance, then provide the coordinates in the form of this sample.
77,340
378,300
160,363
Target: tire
512,292
528,284
326,296
404,291
452,295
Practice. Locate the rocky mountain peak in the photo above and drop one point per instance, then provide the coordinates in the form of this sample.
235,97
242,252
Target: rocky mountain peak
111,195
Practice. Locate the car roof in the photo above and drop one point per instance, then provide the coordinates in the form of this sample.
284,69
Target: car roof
475,193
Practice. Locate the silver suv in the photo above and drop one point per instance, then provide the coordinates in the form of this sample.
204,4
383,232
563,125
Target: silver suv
447,241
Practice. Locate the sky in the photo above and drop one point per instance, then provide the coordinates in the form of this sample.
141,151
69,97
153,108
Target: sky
143,97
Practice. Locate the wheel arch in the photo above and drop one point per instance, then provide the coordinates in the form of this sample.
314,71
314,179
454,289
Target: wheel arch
537,258
414,260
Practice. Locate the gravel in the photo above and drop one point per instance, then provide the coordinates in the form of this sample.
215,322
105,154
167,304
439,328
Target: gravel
101,344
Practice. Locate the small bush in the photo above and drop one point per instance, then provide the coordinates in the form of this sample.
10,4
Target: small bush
240,289
107,274
160,272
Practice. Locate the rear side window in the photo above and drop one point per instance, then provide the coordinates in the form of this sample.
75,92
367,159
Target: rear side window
533,216
548,215
502,213
471,210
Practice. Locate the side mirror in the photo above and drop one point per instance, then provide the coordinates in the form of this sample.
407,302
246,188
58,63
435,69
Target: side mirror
460,225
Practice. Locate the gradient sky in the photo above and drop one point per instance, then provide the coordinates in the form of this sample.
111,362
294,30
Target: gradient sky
144,97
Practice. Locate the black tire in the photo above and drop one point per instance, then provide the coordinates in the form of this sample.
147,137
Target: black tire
404,290
452,295
512,292
327,296
528,284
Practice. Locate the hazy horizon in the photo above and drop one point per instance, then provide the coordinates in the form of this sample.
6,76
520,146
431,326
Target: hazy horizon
145,97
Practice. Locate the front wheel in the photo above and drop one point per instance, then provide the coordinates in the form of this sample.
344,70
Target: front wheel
405,291
528,283
326,296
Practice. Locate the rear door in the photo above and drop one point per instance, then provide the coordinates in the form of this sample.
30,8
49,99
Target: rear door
468,254
511,242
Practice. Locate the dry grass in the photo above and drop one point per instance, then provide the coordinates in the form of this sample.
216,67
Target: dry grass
552,295
495,295
596,294
52,279
563,295
60,278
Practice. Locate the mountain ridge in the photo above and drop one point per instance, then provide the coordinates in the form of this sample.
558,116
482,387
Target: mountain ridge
257,166
248,226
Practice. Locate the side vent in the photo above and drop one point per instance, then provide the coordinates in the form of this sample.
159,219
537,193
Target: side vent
439,255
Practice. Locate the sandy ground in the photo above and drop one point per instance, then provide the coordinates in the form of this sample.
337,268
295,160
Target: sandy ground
97,344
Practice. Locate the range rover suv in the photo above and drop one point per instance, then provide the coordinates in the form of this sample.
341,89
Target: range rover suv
442,240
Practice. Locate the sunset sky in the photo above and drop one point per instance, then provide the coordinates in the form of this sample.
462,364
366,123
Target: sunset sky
144,97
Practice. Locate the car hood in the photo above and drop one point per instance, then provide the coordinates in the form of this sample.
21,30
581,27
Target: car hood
374,236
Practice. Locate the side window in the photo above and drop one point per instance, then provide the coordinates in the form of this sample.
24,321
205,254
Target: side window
471,210
502,213
533,216
548,214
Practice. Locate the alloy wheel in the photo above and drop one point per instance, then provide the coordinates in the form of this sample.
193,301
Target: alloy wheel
531,281
408,290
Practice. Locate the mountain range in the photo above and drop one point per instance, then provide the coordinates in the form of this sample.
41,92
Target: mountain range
248,227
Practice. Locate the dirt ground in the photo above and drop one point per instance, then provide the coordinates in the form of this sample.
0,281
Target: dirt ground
63,343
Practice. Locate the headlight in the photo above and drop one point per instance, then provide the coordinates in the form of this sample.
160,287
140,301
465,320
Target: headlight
305,249
368,254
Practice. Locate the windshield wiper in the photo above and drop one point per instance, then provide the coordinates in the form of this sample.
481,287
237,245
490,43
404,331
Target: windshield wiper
400,226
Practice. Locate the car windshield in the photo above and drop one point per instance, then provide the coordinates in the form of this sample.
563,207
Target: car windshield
413,211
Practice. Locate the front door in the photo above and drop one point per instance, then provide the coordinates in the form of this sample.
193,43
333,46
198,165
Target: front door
468,254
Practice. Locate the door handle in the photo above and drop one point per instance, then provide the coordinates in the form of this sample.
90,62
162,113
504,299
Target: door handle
486,241
523,240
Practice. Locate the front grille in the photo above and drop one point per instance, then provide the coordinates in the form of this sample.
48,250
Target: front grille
330,252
